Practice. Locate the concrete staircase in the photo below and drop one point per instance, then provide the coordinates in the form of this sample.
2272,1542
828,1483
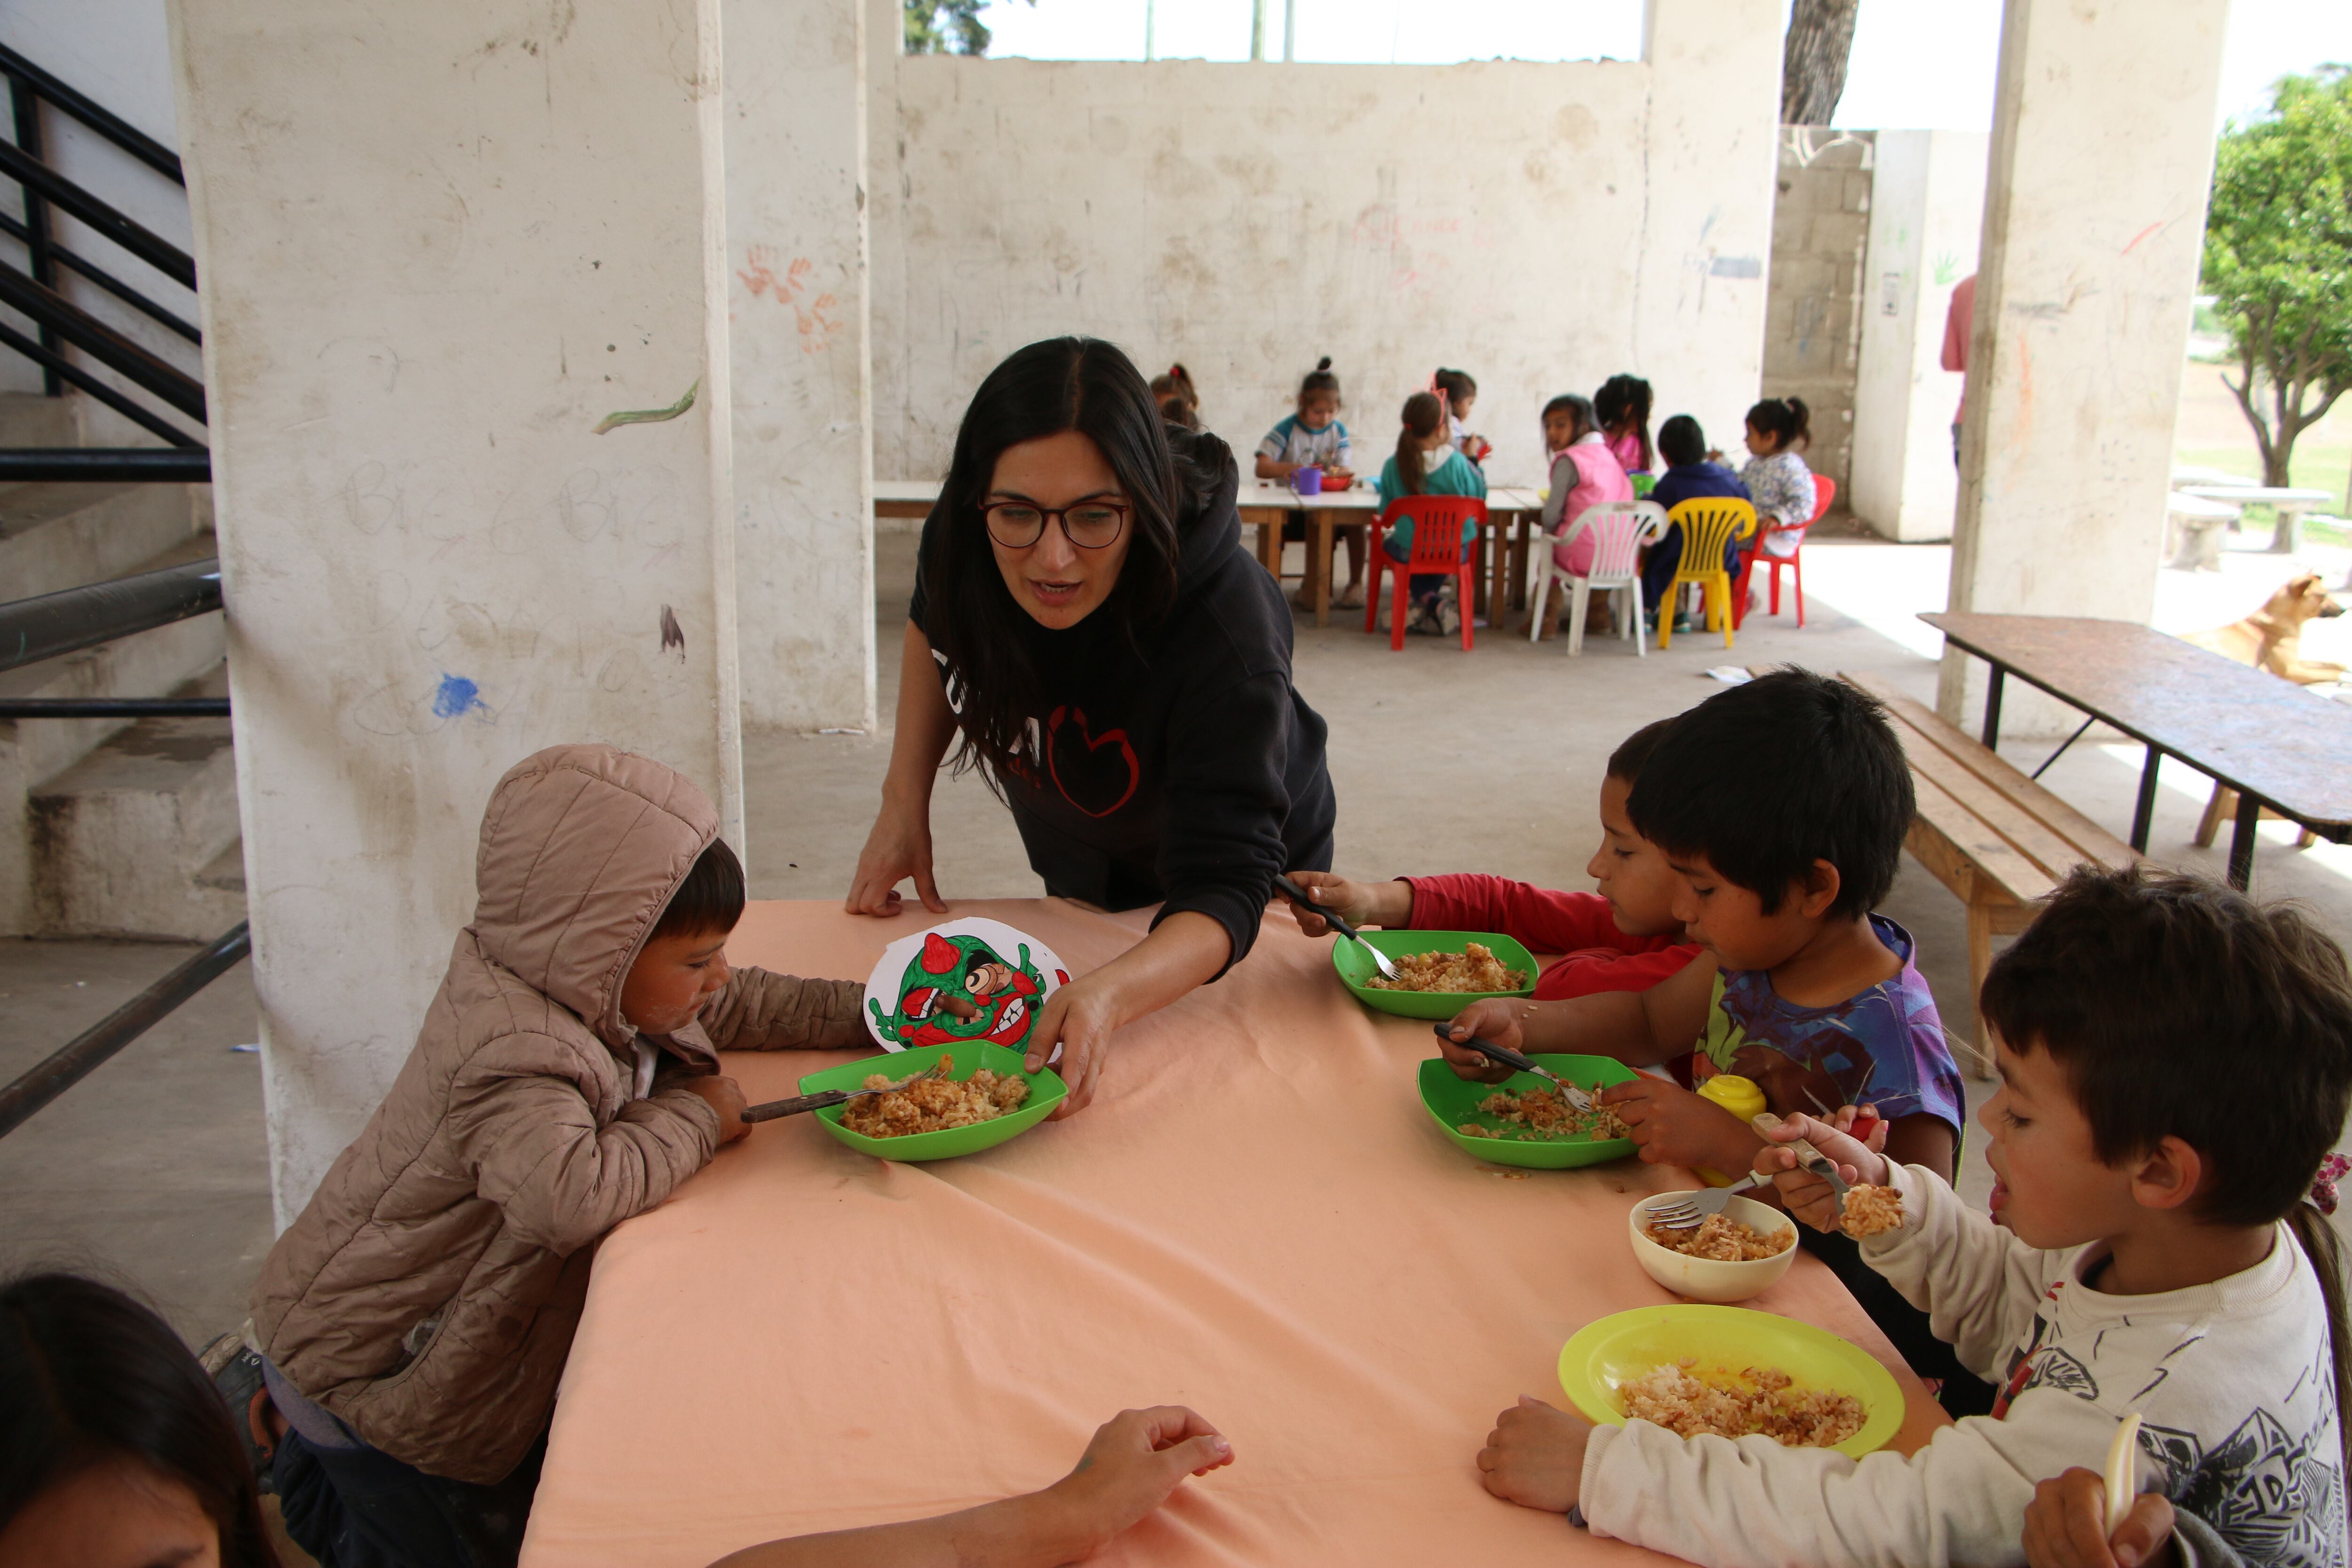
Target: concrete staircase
111,827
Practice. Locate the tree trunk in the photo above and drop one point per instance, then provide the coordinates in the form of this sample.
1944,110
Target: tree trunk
1813,60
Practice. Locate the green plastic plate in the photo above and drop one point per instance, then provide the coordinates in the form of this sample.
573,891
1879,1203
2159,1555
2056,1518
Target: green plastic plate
1355,966
1045,1092
1455,1100
1613,1350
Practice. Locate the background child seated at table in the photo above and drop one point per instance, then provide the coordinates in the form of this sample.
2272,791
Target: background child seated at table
1137,1458
1689,476
1782,805
1622,408
1584,473
1179,399
1622,938
416,1315
1460,392
1426,464
1777,478
2176,1063
1313,437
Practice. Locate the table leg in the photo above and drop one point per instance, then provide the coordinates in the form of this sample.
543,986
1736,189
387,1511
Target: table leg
2242,841
2144,813
1498,567
1320,564
2286,530
1519,562
1992,707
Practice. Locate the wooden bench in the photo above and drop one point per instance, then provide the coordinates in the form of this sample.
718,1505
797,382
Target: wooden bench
1992,835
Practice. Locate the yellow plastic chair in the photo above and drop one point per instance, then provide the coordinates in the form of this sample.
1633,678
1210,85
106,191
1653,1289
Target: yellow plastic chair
1708,524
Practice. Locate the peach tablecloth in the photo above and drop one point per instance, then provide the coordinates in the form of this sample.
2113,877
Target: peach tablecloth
1256,1218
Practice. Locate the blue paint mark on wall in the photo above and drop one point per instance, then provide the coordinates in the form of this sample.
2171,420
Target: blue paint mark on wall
457,697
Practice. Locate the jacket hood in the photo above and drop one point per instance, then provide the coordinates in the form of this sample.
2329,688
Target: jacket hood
1210,528
583,848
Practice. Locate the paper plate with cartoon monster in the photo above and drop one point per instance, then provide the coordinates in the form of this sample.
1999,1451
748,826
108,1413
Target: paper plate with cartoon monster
967,980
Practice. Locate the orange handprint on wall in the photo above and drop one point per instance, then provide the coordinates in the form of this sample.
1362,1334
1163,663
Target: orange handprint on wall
816,319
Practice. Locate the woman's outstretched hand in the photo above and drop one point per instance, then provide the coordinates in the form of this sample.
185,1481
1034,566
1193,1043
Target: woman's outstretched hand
898,847
1078,1017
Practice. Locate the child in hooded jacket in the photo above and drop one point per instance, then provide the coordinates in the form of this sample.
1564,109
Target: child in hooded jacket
414,1320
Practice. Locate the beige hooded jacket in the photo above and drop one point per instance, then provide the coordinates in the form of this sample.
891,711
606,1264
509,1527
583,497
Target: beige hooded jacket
429,1293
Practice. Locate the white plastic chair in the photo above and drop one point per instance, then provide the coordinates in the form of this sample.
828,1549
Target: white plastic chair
1620,529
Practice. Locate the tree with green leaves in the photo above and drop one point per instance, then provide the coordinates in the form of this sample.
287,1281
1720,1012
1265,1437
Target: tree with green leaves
946,26
2278,258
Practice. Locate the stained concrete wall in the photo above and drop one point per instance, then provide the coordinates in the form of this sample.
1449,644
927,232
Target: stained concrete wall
438,247
1542,226
1813,326
796,258
1926,212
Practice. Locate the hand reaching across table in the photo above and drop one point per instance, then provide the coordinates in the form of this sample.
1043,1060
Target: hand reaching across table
1388,905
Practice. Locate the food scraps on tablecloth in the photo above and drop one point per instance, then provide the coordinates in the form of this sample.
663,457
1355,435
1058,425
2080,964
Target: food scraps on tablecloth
1544,1115
1722,1239
1475,968
935,1104
1762,1401
1871,1211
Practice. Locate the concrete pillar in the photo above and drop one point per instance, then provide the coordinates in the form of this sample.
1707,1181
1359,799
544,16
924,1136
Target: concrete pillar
1927,210
439,246
2095,215
797,289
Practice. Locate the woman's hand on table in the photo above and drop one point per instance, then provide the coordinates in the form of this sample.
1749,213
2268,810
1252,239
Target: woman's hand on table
1672,1126
1494,1020
1810,1197
725,1096
2066,1526
1185,949
1385,904
898,847
1535,1455
1079,1018
1136,1459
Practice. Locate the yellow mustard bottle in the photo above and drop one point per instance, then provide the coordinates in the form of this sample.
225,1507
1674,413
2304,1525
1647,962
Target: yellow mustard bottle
1739,1096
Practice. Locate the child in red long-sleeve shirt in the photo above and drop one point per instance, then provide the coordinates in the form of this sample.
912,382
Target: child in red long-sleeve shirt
1622,938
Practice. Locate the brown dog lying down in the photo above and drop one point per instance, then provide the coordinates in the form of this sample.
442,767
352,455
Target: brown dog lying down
2271,638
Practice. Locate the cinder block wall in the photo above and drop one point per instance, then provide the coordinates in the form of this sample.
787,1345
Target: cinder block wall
1812,312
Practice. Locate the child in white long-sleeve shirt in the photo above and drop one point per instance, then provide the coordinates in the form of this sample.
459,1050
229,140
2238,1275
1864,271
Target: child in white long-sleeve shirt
2176,1062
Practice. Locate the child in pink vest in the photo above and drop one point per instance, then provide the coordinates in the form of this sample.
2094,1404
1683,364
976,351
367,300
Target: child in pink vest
1583,472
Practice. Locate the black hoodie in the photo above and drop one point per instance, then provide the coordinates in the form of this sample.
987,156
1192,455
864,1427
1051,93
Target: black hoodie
1191,775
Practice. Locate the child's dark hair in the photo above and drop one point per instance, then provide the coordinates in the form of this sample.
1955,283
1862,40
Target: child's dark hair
1456,385
1579,409
1633,751
1624,404
2178,1008
1424,417
1681,441
1319,379
709,901
1179,399
87,1376
1785,419
1769,777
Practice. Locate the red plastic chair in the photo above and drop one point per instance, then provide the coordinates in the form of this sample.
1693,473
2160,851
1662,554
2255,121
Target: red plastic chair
1436,547
1824,492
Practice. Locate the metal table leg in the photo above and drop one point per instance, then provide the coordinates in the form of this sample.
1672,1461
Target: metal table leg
1992,709
2144,813
2242,842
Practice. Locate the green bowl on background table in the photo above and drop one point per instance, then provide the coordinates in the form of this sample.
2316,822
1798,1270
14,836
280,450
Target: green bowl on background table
1046,1090
1610,1351
1455,1100
1355,966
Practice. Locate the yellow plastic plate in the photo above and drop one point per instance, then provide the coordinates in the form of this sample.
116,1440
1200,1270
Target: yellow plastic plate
1616,1349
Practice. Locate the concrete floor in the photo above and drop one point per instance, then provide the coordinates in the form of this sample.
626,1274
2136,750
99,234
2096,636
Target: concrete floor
153,1170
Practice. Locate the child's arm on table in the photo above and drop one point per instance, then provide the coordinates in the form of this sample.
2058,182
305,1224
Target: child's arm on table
759,1011
1388,905
1136,1459
1639,1028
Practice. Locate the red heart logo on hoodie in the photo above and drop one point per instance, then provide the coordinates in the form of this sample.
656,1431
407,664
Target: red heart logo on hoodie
1090,761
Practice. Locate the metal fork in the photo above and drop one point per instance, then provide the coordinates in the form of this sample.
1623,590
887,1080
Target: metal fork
1691,1212
1511,1058
1810,1158
830,1096
1297,895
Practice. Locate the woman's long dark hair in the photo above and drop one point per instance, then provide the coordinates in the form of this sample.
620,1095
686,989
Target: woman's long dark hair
1061,383
1423,413
88,1375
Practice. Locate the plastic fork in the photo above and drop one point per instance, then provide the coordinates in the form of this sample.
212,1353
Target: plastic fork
1691,1212
1297,895
1511,1058
830,1096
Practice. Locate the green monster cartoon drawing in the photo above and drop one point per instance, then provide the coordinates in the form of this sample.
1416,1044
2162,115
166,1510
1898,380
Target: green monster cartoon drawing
958,988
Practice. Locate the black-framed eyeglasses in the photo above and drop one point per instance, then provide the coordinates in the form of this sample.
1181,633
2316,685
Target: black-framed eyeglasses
1089,524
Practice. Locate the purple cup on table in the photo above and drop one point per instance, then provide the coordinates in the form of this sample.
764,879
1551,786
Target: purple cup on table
1307,481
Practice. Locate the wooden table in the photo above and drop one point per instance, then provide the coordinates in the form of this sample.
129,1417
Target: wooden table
2275,743
1255,1217
905,498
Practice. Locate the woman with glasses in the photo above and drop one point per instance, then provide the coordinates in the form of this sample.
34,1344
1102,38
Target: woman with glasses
1088,631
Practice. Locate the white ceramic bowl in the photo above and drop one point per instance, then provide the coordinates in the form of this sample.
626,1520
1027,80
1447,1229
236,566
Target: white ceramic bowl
1709,1278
